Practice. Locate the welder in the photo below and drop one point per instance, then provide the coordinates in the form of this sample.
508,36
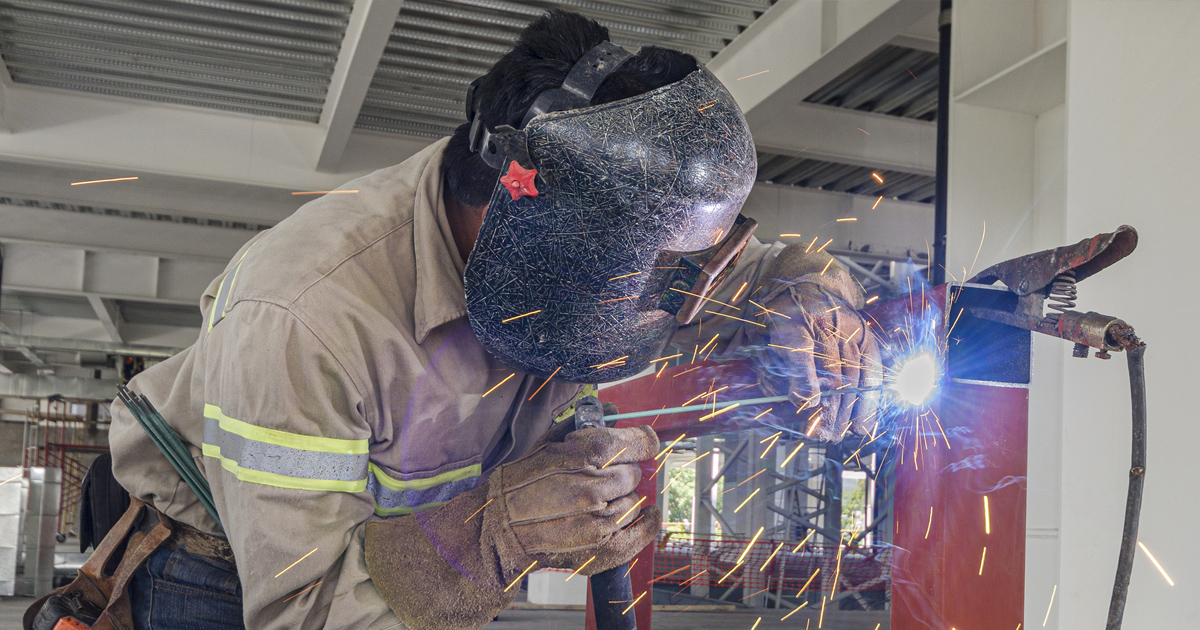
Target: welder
378,395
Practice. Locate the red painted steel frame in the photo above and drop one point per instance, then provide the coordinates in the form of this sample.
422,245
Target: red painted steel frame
937,578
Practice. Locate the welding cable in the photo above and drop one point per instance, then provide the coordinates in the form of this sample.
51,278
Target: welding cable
1137,476
168,442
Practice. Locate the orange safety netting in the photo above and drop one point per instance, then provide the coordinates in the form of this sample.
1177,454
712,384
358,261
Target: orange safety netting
782,566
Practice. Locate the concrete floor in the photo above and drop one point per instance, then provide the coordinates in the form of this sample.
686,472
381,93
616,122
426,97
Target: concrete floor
12,608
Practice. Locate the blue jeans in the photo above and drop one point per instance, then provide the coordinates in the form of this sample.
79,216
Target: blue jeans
176,590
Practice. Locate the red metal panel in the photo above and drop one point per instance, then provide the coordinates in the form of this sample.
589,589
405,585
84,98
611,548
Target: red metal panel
936,575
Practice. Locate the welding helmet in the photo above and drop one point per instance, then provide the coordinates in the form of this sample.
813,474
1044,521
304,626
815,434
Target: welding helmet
608,223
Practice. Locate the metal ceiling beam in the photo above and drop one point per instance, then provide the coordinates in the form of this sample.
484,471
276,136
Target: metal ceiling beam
210,149
805,44
30,386
86,272
83,345
109,316
371,23
834,134
5,85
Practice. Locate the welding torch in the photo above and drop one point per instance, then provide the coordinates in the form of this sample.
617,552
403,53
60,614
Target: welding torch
1051,277
611,589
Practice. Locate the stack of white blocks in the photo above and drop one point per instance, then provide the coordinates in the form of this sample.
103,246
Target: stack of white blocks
10,527
551,586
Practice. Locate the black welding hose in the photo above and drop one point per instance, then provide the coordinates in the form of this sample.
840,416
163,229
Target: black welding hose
1137,475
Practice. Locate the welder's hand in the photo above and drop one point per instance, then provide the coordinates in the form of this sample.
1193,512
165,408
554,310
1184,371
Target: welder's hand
571,500
818,343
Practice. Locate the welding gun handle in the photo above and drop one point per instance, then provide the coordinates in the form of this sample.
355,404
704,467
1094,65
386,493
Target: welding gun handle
611,594
611,589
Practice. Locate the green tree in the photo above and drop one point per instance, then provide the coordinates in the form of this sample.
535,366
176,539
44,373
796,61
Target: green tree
681,494
854,505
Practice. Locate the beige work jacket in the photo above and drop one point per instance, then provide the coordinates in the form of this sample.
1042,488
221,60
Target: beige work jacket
337,381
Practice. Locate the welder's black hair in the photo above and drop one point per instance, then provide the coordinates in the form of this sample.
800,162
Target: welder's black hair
539,61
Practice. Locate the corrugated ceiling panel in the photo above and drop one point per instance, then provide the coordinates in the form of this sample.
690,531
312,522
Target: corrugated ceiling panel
439,46
265,57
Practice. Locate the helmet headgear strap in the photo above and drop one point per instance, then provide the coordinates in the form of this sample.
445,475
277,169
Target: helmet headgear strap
498,147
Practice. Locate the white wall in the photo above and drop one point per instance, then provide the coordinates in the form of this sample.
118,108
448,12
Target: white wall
1132,132
895,227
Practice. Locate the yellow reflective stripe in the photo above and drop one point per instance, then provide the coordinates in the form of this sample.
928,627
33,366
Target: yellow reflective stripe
586,390
282,481
405,511
283,438
420,484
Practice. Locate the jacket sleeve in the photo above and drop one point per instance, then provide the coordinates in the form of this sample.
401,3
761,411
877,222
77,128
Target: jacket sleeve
761,272
286,452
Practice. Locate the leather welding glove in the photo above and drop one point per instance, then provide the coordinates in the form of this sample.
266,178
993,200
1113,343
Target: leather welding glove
816,341
571,499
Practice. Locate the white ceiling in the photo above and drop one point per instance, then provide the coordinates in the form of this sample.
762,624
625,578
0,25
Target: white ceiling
222,109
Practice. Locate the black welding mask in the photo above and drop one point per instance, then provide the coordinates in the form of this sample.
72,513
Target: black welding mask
609,223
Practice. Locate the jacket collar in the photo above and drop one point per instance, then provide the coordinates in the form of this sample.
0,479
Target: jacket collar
439,295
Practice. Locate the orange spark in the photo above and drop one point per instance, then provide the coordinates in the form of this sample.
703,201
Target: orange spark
764,566
696,459
763,413
630,510
987,516
735,568
303,592
296,562
794,611
790,235
799,447
677,354
981,560
739,291
669,446
624,276
847,219
810,534
824,246
628,297
756,621
930,524
877,177
498,385
610,363
518,579
535,392
877,202
707,299
810,578
747,77
864,131
686,371
323,192
477,511
589,560
610,460
769,447
639,598
737,318
752,541
1051,606
743,503
717,413
104,181
1156,564
629,569
751,477
514,318
872,299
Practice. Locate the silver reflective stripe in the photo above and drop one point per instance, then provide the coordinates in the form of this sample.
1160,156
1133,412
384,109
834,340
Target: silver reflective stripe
218,312
390,502
282,460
